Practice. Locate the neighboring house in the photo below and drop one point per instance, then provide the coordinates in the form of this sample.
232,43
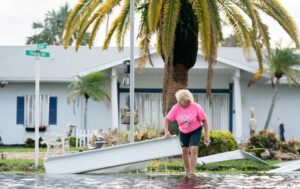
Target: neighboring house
230,110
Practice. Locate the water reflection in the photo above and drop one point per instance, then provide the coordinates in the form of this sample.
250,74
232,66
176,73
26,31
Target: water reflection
151,181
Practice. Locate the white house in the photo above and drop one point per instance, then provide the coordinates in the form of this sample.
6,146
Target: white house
230,110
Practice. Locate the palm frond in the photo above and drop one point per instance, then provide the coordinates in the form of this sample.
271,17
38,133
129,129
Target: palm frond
94,31
265,35
256,76
154,9
144,37
77,17
169,22
110,32
216,20
238,23
252,13
144,49
97,18
275,10
255,29
202,13
123,25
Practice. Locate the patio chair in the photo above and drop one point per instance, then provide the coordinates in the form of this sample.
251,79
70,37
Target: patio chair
58,142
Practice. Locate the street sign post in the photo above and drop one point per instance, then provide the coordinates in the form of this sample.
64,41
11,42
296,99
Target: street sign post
37,54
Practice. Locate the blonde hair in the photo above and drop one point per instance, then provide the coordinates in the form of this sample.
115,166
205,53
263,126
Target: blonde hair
184,94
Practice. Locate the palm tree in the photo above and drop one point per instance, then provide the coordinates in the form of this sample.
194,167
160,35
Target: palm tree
89,86
286,63
179,25
51,30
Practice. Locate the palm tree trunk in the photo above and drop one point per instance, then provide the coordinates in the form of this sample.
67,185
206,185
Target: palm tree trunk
85,119
85,114
275,94
184,55
178,80
175,80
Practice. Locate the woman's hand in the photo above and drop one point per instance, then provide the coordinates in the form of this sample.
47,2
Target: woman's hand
207,141
167,134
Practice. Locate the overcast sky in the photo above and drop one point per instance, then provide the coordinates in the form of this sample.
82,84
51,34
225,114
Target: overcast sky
17,16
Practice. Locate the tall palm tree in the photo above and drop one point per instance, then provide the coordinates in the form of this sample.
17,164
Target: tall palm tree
51,30
90,86
179,25
286,63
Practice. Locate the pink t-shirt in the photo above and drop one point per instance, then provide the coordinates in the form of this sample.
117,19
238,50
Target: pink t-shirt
189,118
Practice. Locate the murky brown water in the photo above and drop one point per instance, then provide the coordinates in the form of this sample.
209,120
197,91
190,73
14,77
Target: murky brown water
149,181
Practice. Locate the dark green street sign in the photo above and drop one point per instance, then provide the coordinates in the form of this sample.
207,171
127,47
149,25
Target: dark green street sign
37,53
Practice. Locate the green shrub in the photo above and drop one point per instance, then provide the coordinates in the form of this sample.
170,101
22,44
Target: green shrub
221,141
263,139
72,142
257,151
29,142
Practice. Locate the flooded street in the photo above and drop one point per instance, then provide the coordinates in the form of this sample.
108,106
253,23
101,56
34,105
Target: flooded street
150,181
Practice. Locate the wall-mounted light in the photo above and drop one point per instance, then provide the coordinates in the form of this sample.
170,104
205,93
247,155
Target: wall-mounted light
126,66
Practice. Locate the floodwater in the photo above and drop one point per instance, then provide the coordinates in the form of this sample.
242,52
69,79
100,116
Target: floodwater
150,181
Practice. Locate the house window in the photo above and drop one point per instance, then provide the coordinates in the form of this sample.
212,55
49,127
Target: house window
149,106
26,110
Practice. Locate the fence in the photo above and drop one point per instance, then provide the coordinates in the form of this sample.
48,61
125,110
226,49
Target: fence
82,137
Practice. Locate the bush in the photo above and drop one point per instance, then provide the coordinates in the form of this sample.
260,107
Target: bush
31,143
221,141
115,137
72,142
40,143
289,146
263,139
146,134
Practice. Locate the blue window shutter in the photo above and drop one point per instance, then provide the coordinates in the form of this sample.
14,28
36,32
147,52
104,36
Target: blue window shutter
20,110
53,111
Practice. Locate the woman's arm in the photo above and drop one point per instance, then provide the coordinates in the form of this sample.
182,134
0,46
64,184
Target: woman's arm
206,138
166,127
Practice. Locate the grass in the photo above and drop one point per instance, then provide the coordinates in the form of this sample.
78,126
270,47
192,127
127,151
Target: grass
9,149
234,166
161,166
21,165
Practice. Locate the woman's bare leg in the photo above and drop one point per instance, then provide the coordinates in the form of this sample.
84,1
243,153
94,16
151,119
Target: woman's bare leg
193,158
185,158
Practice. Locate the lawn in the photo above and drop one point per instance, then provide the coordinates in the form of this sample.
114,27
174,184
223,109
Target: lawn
162,165
21,165
9,149
233,166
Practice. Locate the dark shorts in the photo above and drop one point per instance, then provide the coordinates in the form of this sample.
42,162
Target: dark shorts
190,139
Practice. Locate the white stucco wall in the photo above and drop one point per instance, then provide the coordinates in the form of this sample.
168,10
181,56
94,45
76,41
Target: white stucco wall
197,80
286,108
12,133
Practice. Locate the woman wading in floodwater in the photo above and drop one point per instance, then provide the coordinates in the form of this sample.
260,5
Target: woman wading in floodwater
191,119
